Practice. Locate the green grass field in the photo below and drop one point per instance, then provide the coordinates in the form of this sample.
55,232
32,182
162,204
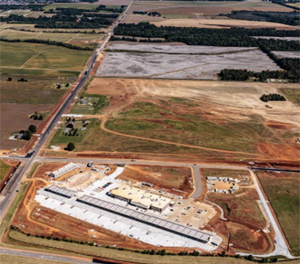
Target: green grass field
283,191
60,37
4,169
163,122
41,57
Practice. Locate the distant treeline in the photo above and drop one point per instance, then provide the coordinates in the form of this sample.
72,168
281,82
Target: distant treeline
288,18
59,21
33,7
113,10
113,38
236,37
47,42
154,13
59,31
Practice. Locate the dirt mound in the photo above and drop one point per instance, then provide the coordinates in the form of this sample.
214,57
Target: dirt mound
279,151
279,125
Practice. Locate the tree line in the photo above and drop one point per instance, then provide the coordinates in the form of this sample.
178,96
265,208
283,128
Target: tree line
272,97
236,37
59,21
47,42
288,18
33,7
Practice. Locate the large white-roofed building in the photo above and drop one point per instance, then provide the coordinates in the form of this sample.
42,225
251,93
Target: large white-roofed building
141,198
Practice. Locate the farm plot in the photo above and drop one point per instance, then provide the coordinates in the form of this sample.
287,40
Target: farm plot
31,56
60,37
220,23
282,38
150,65
283,192
287,54
198,9
15,117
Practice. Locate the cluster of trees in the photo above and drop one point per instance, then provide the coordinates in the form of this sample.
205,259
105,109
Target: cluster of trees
70,146
113,10
154,13
47,42
89,1
21,79
272,97
289,18
238,37
245,75
37,116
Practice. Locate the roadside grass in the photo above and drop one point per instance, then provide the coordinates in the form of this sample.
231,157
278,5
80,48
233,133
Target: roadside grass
11,259
40,56
13,208
4,169
33,169
224,173
37,72
283,192
113,254
37,89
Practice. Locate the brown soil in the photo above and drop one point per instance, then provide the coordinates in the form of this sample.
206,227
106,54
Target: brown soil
19,113
169,179
279,125
123,93
246,231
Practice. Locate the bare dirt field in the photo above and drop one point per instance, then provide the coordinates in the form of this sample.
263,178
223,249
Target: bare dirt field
287,54
245,220
15,117
182,66
220,23
194,9
168,110
169,178
176,49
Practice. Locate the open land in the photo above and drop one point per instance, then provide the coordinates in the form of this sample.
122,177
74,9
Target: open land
181,66
283,192
158,116
72,38
168,178
31,56
194,9
287,54
245,219
220,23
19,113
224,173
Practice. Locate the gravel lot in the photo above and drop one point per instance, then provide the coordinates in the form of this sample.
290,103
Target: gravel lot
181,66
